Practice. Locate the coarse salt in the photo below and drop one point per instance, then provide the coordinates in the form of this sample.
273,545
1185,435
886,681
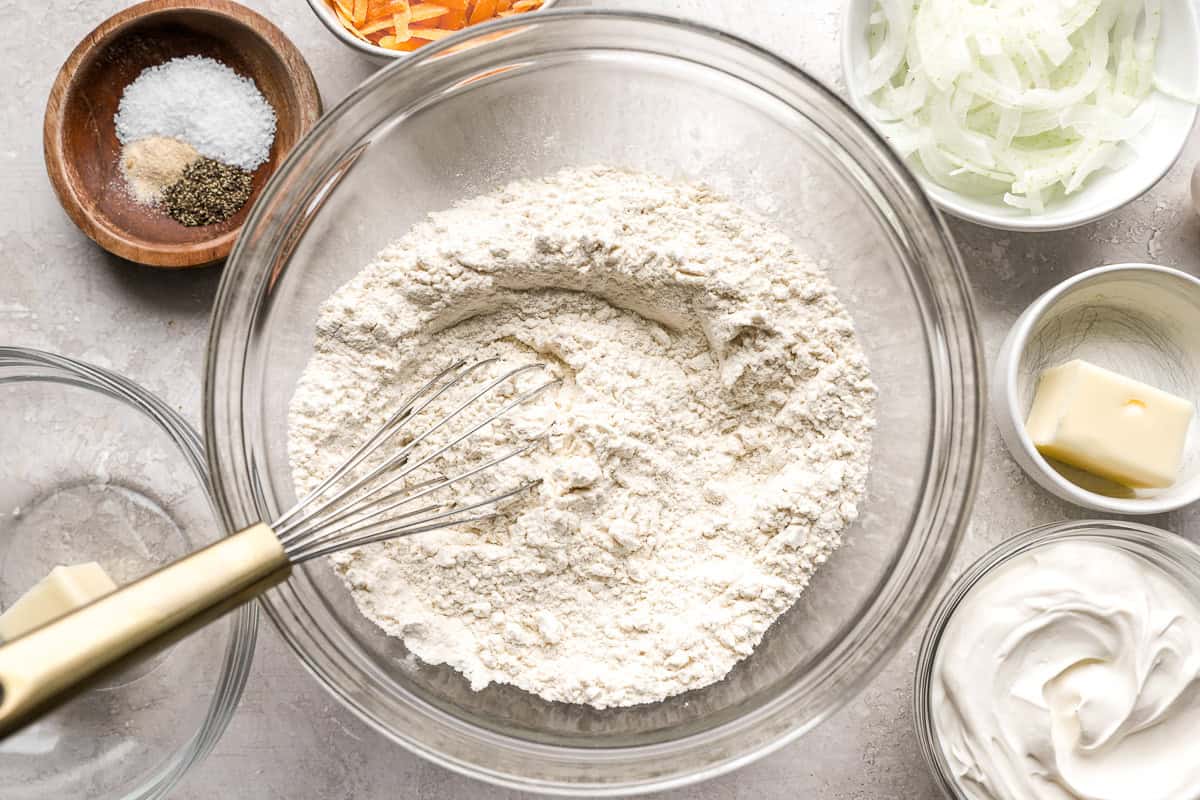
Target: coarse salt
204,103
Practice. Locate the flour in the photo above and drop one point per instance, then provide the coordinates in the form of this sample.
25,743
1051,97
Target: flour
707,446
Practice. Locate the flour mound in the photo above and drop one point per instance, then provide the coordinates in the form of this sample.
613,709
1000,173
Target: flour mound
708,444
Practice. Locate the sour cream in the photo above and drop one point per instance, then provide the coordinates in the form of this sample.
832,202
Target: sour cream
1072,671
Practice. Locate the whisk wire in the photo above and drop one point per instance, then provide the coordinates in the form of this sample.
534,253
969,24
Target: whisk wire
400,457
391,427
314,518
345,511
351,511
369,519
431,523
368,446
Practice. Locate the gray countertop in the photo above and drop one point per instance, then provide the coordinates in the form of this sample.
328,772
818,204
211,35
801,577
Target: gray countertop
289,738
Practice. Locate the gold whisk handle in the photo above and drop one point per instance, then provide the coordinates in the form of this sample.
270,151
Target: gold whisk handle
42,668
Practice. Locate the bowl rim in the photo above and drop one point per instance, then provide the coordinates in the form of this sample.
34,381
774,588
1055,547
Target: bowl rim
35,365
952,467
950,201
1005,388
329,19
63,175
1169,546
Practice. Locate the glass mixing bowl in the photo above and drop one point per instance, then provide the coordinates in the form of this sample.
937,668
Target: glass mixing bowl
94,468
1173,555
574,88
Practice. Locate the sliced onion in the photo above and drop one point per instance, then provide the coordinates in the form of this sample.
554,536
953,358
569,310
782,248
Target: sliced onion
1103,124
1098,157
1035,123
1024,98
885,61
950,131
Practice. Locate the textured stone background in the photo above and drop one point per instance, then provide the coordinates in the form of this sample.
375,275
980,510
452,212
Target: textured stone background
290,739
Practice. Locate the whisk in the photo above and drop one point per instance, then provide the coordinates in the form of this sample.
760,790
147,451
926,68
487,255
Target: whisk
380,492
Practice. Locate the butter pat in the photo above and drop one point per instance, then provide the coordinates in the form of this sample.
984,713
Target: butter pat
64,589
1109,425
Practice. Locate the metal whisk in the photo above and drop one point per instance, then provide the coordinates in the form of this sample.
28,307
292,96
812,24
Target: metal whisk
378,493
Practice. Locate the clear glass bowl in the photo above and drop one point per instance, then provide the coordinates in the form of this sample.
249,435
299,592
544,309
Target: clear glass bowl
1177,557
94,468
568,88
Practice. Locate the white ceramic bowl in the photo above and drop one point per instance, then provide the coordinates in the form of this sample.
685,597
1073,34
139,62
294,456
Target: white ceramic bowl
1137,319
1157,146
330,20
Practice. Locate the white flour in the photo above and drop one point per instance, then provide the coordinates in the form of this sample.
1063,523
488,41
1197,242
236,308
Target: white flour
708,445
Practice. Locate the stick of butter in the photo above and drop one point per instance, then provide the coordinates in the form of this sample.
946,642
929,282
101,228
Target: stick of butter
1109,425
64,589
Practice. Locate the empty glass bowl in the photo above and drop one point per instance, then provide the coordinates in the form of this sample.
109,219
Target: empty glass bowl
94,468
522,99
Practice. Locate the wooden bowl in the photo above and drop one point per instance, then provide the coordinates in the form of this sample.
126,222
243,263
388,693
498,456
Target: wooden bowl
79,134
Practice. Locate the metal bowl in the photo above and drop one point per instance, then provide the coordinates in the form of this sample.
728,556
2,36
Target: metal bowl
1140,320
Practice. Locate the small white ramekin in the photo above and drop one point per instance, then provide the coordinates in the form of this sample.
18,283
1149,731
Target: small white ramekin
1157,147
1137,319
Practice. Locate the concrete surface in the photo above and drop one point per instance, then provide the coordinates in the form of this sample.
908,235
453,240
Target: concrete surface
291,740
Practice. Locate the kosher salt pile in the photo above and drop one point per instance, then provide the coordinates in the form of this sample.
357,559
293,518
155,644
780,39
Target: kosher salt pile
192,133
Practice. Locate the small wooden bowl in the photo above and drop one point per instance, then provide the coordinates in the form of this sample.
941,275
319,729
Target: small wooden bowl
80,139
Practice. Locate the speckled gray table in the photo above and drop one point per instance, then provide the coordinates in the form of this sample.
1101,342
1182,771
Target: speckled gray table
289,738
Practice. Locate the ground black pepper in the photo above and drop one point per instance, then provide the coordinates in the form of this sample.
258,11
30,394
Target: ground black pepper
207,193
